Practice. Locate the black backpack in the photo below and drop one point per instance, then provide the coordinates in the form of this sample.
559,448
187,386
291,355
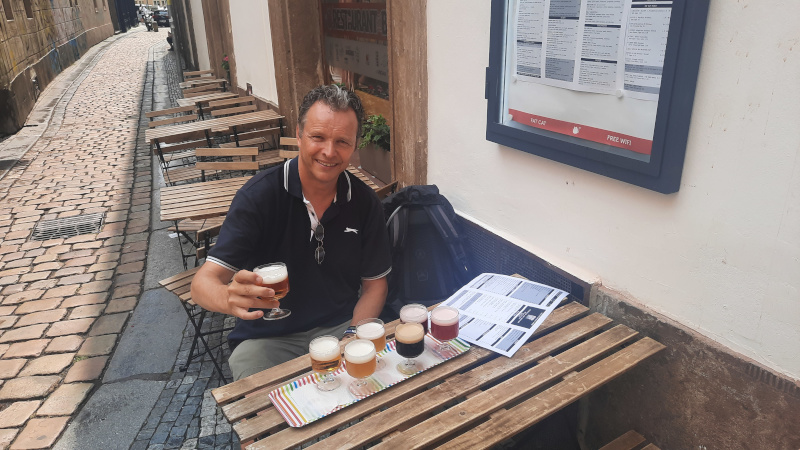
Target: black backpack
430,258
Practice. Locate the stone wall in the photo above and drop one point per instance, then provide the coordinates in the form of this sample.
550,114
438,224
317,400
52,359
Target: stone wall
38,44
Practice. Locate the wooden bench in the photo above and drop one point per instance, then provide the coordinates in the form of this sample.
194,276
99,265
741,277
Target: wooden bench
629,441
197,74
181,114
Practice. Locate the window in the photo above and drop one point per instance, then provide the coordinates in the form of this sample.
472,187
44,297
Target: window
95,5
28,8
7,10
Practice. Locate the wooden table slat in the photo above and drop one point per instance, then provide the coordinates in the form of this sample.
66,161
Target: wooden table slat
627,441
537,408
233,391
473,410
433,398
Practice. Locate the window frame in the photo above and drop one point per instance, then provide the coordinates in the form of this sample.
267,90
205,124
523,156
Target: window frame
662,173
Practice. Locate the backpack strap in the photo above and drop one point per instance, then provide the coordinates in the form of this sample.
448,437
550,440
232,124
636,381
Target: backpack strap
448,232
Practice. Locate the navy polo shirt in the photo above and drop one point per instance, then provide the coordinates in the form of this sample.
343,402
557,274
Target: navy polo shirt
268,222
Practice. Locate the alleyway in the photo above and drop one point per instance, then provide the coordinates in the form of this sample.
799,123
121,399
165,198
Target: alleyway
90,348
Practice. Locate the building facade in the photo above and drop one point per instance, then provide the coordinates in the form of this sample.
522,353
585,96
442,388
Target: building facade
38,40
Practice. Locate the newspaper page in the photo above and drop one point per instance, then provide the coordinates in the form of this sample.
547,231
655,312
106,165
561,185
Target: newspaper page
500,313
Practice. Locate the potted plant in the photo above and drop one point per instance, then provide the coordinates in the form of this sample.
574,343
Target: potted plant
226,66
374,148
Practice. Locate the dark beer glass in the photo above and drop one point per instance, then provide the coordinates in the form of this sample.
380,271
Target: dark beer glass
276,277
409,343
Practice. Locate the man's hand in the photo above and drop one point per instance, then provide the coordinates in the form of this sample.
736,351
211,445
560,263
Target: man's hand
245,292
216,288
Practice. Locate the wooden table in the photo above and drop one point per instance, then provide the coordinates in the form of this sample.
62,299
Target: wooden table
200,82
580,353
199,200
201,100
204,128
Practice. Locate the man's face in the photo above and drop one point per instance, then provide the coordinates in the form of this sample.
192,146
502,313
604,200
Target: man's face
326,143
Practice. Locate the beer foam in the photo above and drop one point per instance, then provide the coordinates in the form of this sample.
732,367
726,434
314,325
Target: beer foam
272,274
359,351
444,316
409,333
413,313
324,349
370,330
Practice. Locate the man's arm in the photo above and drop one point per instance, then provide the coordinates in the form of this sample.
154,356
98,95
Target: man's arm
216,288
373,296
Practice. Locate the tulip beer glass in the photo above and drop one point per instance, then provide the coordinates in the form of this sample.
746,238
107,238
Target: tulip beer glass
325,359
444,326
415,313
276,277
373,330
360,357
410,343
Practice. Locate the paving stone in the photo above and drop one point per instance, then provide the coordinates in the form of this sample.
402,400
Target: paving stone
17,413
95,286
8,321
25,388
9,368
86,370
126,291
81,300
65,400
7,310
3,349
7,436
60,292
70,327
82,279
38,305
123,304
48,364
23,334
87,311
26,349
109,324
40,433
69,343
50,316
23,296
98,345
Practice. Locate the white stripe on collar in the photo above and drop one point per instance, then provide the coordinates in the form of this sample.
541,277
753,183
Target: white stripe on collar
286,174
349,186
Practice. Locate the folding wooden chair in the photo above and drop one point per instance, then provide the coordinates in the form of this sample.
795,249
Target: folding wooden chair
197,74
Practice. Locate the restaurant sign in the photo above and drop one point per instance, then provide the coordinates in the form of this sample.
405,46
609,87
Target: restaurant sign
355,20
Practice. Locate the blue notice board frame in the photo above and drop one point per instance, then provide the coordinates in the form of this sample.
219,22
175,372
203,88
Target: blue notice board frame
662,173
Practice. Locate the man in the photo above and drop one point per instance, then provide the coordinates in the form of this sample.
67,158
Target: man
326,225
169,40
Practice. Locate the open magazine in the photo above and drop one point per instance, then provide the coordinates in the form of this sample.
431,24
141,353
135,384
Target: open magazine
500,313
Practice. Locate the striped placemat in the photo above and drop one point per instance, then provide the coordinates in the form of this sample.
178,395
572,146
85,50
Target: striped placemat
300,402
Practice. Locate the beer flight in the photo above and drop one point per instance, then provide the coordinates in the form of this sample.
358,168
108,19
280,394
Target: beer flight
361,354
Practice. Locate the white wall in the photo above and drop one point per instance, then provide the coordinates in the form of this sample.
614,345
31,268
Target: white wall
252,43
200,35
722,255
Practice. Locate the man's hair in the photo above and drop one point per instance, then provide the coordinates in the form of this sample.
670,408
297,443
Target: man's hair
335,97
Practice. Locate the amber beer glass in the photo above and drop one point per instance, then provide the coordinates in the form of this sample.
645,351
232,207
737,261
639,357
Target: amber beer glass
276,277
415,313
325,359
444,326
409,343
360,363
373,330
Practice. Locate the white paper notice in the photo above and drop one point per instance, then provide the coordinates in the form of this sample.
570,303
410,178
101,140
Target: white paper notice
500,313
600,46
645,46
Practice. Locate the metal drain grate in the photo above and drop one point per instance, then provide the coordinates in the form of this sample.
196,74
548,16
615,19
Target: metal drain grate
68,227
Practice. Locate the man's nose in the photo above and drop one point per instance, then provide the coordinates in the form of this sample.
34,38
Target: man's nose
328,149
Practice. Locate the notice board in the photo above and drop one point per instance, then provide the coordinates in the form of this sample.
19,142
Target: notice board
604,85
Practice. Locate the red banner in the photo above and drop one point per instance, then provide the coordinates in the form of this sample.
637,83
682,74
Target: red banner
611,138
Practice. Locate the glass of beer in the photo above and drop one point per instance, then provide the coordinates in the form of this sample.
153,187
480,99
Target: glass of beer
373,330
444,326
415,313
325,359
410,343
360,357
276,277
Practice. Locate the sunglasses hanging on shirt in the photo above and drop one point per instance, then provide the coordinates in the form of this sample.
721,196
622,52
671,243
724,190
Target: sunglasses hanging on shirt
319,235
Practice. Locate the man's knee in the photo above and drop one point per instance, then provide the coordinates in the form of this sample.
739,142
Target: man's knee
254,355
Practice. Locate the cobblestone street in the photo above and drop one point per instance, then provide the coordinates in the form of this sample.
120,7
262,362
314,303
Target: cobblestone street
67,304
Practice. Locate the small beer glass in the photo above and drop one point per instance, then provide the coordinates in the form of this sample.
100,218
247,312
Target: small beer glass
325,359
373,330
444,327
276,277
415,313
410,343
359,355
